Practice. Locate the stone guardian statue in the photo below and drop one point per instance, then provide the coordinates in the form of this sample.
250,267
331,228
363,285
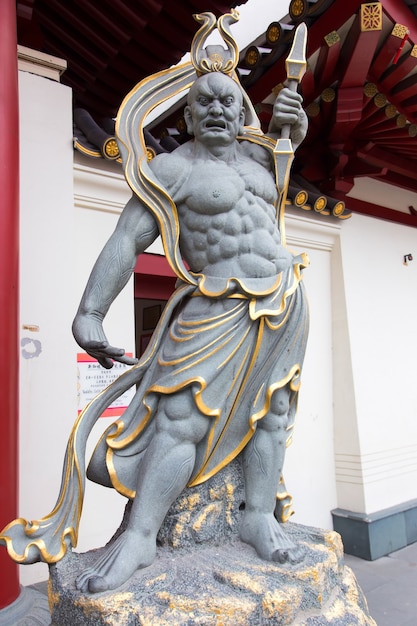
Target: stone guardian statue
221,375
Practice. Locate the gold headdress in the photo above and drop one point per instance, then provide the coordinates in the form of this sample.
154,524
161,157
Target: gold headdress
214,58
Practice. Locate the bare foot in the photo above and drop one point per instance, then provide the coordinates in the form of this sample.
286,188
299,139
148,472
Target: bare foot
128,553
266,535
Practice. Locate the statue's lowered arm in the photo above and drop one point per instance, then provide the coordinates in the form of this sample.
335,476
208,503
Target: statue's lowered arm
135,231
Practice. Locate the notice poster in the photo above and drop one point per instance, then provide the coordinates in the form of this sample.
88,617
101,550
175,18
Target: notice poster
92,378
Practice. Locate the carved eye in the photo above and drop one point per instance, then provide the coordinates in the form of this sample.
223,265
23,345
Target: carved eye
203,101
228,101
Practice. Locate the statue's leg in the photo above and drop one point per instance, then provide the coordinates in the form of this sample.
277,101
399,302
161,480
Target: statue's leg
165,470
263,459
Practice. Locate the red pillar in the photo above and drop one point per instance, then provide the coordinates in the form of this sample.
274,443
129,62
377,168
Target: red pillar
9,292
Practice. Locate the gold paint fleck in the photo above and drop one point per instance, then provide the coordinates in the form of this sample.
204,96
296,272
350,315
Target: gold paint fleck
216,494
53,597
228,611
242,581
230,496
209,511
158,579
181,523
193,500
282,603
116,606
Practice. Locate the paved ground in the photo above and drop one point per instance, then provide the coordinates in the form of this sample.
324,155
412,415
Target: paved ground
390,586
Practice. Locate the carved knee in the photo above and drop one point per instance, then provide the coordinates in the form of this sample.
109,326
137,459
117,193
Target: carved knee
177,406
280,402
179,416
277,418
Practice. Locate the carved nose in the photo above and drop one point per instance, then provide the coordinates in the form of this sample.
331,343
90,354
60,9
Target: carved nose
215,109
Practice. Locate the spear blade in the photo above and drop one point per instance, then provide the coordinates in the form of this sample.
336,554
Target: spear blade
296,63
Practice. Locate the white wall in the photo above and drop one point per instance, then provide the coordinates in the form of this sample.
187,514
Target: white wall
47,383
376,412
309,469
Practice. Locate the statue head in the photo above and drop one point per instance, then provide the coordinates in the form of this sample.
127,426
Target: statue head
215,113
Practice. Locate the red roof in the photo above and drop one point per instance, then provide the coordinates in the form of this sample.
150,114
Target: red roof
360,89
110,45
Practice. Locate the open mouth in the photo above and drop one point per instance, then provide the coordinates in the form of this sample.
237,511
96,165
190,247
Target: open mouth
216,124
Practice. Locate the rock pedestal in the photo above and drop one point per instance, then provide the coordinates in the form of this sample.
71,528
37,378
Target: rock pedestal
204,575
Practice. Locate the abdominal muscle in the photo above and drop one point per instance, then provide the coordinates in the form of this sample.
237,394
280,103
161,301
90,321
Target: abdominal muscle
228,222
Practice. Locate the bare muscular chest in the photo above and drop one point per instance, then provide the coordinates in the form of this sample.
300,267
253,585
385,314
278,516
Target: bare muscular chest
215,187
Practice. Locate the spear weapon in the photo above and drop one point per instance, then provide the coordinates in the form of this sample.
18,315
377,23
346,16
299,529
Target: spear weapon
283,152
